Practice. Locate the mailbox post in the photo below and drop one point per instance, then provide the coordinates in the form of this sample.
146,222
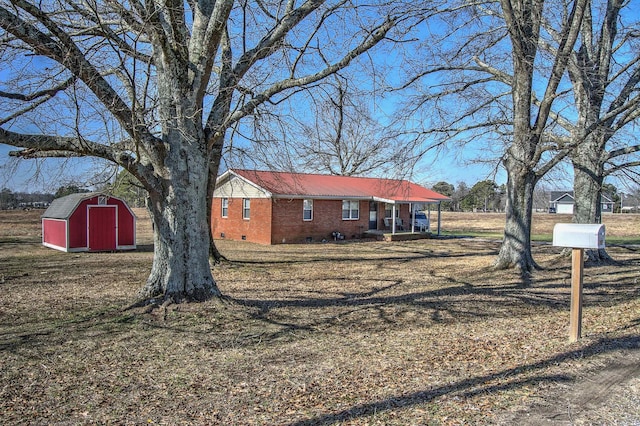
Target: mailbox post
577,237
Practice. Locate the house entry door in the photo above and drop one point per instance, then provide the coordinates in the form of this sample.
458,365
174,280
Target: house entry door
373,215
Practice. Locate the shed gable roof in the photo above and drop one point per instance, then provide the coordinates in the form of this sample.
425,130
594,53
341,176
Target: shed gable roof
63,207
303,185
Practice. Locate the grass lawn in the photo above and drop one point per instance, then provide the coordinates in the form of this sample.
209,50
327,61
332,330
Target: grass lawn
376,333
621,229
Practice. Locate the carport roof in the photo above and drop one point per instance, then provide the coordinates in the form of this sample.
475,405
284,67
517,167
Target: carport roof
305,185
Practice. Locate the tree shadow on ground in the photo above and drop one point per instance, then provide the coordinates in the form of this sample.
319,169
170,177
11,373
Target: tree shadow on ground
507,379
460,301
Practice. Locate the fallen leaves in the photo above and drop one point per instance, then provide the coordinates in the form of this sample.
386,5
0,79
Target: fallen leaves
421,332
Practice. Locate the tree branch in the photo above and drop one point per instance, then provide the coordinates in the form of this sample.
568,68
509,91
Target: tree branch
48,93
374,37
70,56
39,145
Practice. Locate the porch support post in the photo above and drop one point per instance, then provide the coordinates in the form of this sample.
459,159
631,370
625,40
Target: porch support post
412,216
393,219
439,206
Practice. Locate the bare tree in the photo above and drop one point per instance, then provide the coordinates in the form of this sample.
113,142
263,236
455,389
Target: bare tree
337,131
170,78
496,89
605,74
344,138
523,20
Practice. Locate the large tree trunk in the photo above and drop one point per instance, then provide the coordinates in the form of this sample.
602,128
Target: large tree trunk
515,251
181,270
523,22
588,169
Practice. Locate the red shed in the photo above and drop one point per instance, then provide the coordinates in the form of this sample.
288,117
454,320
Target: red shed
89,222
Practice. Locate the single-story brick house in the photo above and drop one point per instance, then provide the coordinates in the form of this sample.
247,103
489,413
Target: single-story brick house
279,207
562,202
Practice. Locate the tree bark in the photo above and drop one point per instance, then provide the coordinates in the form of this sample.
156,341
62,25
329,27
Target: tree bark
588,169
522,159
214,165
180,270
519,160
515,251
590,72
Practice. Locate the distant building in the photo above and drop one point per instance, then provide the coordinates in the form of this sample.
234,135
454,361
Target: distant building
562,202
34,205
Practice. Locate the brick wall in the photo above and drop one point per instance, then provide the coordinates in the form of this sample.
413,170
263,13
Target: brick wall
256,229
289,226
281,221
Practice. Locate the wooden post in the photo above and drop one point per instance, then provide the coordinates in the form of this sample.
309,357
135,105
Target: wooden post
577,268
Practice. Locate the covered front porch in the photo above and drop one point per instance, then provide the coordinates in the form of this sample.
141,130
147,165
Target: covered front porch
402,219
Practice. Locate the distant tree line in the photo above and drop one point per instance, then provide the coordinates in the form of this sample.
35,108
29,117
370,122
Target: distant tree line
487,196
125,187
10,200
484,196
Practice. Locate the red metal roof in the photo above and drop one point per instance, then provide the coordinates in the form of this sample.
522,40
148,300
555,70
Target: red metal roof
295,185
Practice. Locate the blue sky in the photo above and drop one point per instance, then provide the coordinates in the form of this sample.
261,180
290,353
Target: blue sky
48,175
43,175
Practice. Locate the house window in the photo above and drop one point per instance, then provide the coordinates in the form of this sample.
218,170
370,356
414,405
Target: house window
225,207
350,210
102,201
307,210
246,208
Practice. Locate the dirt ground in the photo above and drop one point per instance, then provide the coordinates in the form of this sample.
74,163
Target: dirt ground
602,392
420,332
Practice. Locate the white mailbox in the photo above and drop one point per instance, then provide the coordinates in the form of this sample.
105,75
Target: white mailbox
578,235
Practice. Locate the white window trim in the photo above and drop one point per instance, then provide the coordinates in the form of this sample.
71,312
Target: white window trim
350,210
304,210
244,209
224,207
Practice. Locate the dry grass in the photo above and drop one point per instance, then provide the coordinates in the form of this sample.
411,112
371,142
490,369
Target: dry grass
421,332
619,228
